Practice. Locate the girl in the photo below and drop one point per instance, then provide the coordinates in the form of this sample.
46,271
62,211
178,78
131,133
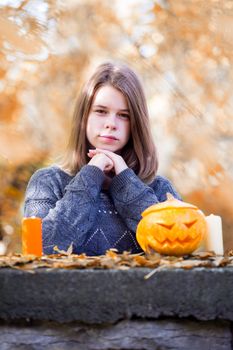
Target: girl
95,198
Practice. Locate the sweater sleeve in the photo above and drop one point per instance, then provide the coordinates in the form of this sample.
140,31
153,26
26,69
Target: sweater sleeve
131,196
65,219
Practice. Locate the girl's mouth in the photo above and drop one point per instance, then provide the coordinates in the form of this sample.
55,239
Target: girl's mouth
108,137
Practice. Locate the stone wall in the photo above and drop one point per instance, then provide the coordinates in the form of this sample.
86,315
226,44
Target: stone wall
116,309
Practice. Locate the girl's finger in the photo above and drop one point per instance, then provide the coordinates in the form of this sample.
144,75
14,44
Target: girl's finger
108,167
107,153
91,153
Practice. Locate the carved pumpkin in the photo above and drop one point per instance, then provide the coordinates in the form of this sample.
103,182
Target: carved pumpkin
172,227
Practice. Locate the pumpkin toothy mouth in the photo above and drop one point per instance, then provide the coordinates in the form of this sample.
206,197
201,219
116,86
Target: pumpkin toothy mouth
177,245
187,240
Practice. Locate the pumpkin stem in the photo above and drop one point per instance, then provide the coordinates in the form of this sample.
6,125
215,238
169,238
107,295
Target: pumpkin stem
170,197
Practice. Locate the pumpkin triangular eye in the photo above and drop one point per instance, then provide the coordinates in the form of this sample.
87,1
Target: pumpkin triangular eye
169,227
190,224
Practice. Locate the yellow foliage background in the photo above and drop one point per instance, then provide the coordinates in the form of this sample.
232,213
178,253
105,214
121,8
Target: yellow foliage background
182,50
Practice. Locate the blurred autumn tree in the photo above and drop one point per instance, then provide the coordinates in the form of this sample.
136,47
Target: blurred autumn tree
181,49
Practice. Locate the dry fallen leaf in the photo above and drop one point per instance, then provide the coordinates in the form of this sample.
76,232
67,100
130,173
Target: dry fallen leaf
68,252
204,255
114,260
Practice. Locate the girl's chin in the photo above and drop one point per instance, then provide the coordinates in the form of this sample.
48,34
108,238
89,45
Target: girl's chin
110,149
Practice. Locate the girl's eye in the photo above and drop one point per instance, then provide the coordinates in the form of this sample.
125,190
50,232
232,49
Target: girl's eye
100,111
124,115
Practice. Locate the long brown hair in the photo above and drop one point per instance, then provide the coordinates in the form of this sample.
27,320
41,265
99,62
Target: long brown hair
140,152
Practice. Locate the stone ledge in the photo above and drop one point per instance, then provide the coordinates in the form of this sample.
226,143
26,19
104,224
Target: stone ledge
107,296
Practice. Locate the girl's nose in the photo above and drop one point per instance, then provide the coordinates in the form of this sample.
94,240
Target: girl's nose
110,122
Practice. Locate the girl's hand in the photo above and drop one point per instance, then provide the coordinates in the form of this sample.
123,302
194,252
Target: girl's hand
100,160
118,162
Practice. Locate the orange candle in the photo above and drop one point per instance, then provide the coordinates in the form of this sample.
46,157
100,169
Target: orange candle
32,236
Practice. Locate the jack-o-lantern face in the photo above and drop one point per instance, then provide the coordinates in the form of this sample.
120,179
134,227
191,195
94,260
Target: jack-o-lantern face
172,227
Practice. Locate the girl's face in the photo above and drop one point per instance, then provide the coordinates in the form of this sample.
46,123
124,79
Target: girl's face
108,123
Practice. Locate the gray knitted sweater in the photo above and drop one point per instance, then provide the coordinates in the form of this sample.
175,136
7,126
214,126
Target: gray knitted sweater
76,209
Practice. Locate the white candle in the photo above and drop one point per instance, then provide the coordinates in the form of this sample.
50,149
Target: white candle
214,239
